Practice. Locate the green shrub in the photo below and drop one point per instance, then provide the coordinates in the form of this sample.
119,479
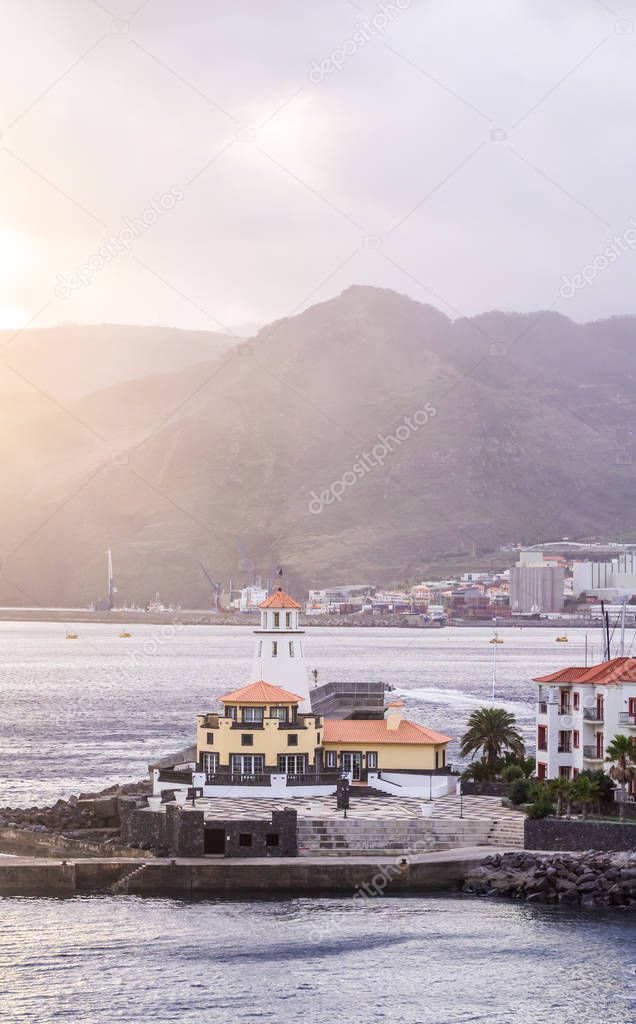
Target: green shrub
519,791
512,772
541,808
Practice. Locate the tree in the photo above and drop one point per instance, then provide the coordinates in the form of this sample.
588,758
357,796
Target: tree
492,731
621,755
585,792
480,771
561,789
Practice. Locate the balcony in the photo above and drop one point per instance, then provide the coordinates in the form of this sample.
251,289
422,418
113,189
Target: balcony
590,753
624,718
565,709
593,714
563,748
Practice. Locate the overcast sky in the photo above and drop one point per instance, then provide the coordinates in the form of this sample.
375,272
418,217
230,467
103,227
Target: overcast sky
300,146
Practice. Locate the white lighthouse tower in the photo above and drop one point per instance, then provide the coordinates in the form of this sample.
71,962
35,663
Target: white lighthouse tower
279,657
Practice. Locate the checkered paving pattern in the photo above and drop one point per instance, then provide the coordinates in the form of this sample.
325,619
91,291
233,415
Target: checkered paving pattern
364,808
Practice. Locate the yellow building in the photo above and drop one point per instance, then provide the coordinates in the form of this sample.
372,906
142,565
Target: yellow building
261,732
393,744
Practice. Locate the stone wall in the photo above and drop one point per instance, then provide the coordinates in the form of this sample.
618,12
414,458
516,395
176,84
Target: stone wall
501,789
257,838
564,834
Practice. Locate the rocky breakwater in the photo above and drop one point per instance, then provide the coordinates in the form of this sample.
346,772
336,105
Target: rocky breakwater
92,817
588,879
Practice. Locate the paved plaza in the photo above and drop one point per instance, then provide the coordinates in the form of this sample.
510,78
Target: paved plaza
365,808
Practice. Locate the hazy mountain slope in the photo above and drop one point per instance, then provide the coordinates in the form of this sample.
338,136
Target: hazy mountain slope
530,438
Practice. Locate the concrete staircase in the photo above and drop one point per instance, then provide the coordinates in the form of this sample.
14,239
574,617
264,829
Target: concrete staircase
326,837
122,883
507,831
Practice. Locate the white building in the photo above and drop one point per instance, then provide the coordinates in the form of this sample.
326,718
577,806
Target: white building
579,712
536,588
279,657
603,578
251,598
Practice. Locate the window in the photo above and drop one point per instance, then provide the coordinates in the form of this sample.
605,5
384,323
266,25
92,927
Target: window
372,759
276,620
437,758
248,764
565,742
542,770
576,700
331,758
247,739
542,737
292,764
288,620
245,838
210,763
564,771
444,757
292,740
274,648
271,839
318,739
260,648
210,739
575,739
252,714
291,648
230,711
278,712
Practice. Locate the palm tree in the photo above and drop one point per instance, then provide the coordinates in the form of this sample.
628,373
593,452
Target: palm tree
562,789
585,792
621,755
493,731
479,771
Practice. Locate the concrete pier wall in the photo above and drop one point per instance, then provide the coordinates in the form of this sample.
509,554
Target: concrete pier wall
436,872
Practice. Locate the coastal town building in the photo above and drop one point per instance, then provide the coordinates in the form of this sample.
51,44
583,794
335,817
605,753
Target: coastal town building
267,740
579,712
537,588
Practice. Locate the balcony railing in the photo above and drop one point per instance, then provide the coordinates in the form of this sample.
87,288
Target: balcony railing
565,709
625,718
236,779
592,753
312,779
564,748
593,714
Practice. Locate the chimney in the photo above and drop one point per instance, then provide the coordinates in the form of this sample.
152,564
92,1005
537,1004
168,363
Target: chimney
394,714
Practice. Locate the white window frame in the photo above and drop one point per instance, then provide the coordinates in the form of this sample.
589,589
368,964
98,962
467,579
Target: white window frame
247,764
210,763
331,758
253,714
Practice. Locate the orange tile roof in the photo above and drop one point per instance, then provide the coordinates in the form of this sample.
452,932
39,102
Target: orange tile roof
279,599
352,730
618,670
261,693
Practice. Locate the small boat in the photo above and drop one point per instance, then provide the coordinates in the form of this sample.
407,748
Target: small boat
562,639
125,635
496,639
71,636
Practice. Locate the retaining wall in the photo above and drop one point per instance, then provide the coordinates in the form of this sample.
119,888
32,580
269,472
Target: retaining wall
561,834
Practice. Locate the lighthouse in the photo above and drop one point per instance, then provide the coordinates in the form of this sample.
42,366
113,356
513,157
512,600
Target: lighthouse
279,657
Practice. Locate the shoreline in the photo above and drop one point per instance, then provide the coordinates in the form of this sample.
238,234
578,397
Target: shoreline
77,616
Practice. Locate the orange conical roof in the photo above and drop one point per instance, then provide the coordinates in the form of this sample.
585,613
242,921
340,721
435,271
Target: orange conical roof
261,693
279,599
